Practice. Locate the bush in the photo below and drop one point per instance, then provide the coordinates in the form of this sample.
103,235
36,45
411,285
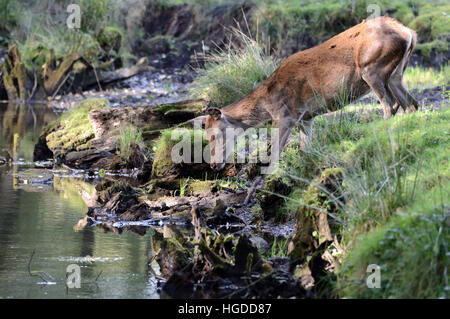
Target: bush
394,203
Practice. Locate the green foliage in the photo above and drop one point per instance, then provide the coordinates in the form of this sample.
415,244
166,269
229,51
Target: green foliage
168,139
412,251
421,78
395,181
231,73
9,14
111,38
129,139
432,22
39,28
278,248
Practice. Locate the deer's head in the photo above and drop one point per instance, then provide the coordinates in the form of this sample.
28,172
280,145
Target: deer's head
217,124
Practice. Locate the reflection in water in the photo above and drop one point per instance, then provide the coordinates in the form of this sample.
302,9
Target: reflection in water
44,221
20,126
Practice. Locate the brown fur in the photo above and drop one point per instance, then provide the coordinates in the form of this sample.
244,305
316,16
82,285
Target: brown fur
371,55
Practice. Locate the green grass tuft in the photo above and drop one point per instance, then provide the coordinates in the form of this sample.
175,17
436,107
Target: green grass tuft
231,73
421,78
130,138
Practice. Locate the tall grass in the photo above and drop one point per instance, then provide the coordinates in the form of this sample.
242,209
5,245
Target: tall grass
130,138
231,73
394,201
422,78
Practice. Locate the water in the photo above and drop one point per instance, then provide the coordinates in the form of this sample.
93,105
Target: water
42,220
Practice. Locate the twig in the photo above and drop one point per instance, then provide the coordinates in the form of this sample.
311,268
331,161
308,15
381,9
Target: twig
252,190
33,91
96,77
37,273
61,84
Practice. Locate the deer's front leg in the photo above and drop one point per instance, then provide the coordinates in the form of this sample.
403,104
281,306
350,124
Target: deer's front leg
284,130
278,139
305,133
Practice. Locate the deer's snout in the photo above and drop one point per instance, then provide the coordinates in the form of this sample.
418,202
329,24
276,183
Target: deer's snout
217,166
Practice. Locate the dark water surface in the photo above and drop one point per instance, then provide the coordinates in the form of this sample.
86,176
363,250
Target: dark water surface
42,219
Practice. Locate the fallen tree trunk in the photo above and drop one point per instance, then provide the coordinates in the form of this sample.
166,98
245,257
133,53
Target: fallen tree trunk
59,75
93,77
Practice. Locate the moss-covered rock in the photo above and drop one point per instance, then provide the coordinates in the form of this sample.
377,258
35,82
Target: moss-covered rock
198,187
73,131
171,162
158,44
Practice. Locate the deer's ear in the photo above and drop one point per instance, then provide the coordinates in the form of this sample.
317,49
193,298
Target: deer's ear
215,112
197,122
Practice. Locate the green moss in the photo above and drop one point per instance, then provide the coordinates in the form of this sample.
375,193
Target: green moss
198,187
163,108
73,131
163,148
187,106
159,44
111,38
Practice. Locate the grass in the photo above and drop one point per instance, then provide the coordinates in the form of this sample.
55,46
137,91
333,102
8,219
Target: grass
278,248
422,78
412,251
287,26
166,143
231,73
394,205
130,138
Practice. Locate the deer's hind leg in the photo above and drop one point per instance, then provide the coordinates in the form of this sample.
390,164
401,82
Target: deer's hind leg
378,82
406,100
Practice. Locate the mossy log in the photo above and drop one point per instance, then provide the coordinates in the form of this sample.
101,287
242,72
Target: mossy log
21,83
148,119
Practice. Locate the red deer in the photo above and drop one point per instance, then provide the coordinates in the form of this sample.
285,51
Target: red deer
369,56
